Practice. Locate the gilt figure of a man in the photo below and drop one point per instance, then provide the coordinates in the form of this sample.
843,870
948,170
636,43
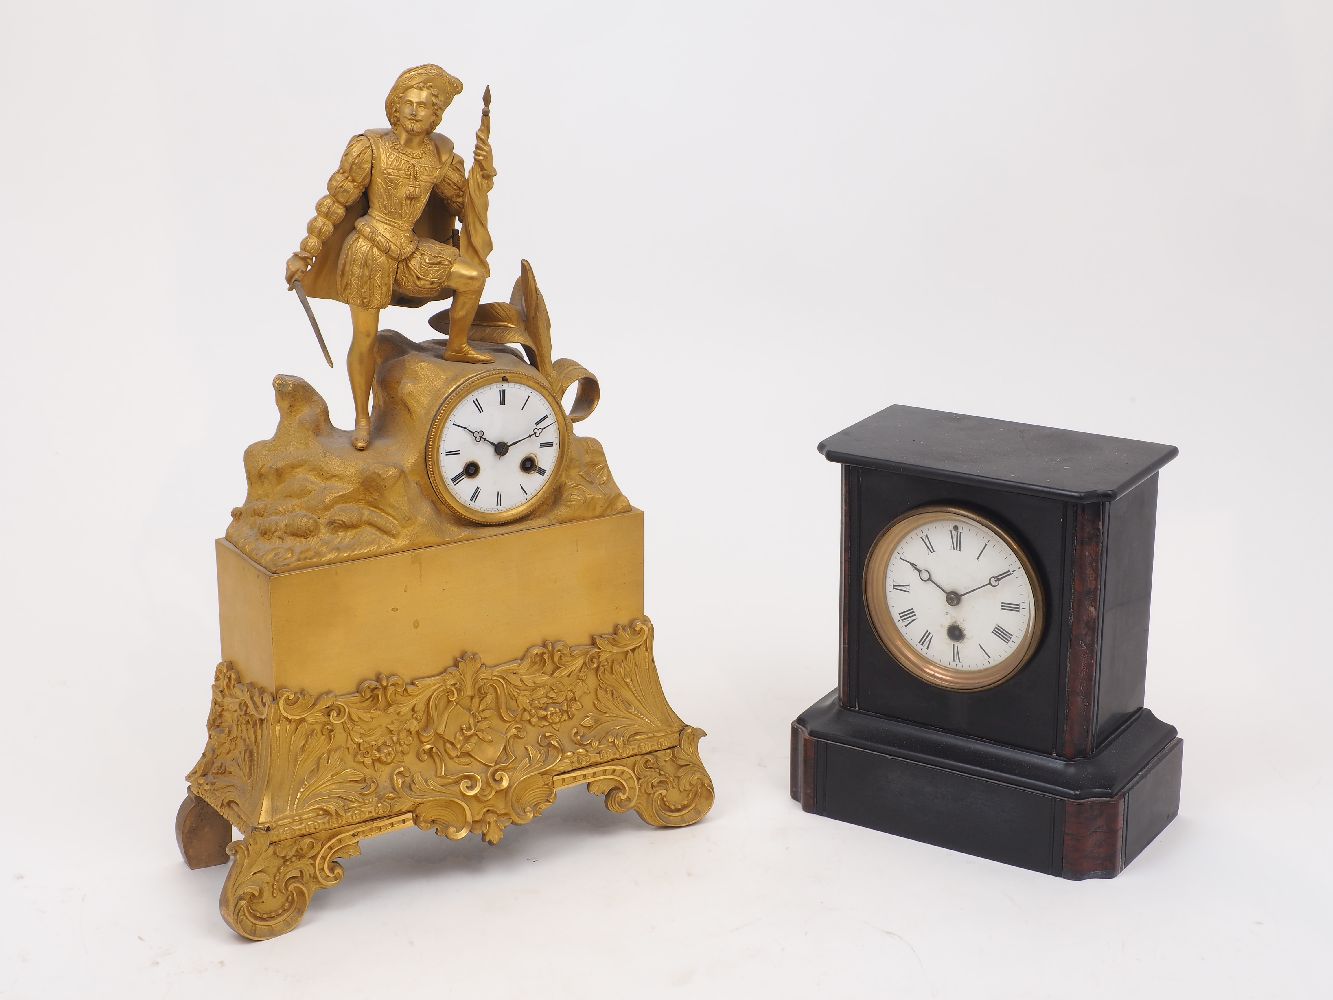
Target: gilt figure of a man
385,232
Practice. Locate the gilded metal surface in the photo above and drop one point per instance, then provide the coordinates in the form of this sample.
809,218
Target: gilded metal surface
666,788
471,750
524,320
385,232
345,570
272,879
312,498
330,627
877,605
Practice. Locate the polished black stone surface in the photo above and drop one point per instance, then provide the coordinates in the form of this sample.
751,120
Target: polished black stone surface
1000,454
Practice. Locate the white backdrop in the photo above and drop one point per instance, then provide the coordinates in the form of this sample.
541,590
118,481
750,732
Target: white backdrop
757,223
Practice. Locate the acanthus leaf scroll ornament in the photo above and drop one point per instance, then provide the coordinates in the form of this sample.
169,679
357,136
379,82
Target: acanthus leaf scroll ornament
473,749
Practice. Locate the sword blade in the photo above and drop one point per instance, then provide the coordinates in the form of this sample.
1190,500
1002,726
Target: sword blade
314,323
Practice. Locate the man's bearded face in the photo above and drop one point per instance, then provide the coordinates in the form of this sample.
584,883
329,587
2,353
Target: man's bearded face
416,111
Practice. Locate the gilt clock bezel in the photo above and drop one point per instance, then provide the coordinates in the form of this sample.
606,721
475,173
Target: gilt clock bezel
451,401
876,599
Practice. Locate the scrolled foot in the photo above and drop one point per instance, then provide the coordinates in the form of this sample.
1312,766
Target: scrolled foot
202,834
674,786
270,884
271,880
361,435
467,354
666,788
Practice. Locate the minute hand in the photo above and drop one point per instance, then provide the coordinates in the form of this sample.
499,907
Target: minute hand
526,436
992,582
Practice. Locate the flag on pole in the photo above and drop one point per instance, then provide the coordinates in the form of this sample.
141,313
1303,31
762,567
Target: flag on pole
475,242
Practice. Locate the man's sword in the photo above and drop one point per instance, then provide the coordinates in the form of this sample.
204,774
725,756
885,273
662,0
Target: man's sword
310,315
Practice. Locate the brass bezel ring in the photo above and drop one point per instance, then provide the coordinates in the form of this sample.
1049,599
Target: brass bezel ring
903,652
461,391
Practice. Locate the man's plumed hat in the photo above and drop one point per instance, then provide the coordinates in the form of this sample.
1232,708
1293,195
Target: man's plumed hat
430,77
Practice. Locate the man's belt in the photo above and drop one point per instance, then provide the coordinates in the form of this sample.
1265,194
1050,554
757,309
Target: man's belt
389,238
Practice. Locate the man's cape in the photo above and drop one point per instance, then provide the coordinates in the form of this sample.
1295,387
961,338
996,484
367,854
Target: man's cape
437,223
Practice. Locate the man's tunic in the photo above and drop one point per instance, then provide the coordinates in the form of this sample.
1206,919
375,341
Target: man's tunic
403,205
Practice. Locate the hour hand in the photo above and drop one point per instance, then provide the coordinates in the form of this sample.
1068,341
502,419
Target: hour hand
924,574
477,436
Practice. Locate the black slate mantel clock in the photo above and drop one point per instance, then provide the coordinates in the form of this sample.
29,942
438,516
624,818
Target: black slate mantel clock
996,579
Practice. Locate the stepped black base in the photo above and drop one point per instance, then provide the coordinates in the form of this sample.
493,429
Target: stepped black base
1085,818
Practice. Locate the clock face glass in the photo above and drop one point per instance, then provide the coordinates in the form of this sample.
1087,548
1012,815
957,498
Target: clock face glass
953,598
497,448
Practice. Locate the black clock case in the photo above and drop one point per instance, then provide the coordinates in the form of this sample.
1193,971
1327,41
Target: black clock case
1059,769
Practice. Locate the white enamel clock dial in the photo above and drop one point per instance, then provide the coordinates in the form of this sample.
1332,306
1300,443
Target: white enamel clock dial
953,598
495,448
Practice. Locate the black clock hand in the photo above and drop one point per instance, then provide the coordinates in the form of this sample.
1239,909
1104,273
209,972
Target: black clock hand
479,437
532,435
923,573
992,582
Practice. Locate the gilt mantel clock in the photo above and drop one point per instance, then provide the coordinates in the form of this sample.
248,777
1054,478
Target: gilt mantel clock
435,618
995,591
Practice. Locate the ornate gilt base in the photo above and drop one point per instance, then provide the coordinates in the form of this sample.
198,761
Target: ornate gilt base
306,778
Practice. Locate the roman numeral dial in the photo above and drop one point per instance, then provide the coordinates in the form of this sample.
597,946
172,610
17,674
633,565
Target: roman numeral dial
496,446
953,598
